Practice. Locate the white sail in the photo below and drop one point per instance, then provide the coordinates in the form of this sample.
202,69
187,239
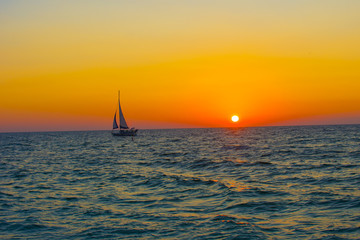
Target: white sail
122,121
115,123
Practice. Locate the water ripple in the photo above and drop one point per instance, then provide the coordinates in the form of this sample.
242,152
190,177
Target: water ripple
250,183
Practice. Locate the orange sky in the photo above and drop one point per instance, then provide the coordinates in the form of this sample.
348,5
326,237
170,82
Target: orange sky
178,64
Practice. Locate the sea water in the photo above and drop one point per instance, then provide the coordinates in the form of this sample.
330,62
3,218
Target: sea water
245,183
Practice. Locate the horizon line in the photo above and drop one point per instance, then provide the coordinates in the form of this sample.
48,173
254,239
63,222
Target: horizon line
299,125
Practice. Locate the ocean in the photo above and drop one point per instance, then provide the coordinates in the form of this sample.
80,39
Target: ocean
225,183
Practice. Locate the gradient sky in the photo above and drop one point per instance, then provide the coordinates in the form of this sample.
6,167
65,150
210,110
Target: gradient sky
178,63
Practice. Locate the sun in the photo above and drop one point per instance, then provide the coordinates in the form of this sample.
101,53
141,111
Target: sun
235,118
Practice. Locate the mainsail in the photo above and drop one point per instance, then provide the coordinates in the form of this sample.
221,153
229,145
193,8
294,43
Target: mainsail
122,121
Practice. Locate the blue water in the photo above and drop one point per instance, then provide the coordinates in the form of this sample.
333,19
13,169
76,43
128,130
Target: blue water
250,183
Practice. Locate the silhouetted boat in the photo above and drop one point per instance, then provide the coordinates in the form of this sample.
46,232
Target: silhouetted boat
124,130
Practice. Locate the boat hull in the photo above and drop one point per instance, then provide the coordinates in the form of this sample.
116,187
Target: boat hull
127,132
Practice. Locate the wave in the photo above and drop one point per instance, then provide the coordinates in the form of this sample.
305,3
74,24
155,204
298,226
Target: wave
26,226
254,183
235,147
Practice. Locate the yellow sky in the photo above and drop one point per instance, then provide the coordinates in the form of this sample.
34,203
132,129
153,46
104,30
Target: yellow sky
178,63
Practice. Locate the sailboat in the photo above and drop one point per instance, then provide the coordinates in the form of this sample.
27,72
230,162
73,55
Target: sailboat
123,130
